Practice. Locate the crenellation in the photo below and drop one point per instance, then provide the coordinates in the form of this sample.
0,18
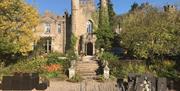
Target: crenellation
170,8
86,2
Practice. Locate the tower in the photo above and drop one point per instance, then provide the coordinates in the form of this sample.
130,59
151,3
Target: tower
103,3
74,11
82,11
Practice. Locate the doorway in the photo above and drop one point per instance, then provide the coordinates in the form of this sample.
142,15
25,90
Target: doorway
89,48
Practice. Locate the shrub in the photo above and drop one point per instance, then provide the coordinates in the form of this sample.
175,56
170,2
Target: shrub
25,66
34,65
133,68
121,69
164,68
100,78
107,56
50,66
54,58
53,74
70,54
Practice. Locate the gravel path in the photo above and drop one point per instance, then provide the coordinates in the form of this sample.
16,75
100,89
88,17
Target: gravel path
87,85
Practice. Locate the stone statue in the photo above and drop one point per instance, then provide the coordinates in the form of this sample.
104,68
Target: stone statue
146,85
106,63
73,62
106,71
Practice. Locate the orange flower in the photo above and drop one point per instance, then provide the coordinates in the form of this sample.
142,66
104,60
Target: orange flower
52,67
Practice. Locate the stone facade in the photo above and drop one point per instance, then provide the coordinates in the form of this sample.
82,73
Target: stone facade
52,32
56,31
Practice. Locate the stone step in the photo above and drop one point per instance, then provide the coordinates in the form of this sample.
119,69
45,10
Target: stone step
90,62
89,57
84,67
87,67
89,77
86,71
87,64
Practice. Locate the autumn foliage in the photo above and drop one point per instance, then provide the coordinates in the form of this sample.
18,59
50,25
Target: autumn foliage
52,67
17,21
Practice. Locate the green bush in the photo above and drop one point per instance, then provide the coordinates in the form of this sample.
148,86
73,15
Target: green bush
164,68
51,74
133,68
121,69
38,65
54,58
25,66
101,78
107,56
70,54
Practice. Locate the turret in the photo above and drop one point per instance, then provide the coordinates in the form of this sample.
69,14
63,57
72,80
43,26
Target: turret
75,4
103,3
170,8
75,9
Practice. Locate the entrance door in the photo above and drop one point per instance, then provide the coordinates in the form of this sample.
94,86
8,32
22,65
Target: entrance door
89,48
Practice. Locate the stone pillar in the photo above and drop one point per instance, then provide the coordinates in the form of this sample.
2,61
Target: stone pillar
71,72
106,71
72,69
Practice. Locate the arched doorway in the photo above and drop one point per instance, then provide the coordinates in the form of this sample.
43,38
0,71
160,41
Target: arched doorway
89,48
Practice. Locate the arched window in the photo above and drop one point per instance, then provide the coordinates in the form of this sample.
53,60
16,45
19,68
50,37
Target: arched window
89,27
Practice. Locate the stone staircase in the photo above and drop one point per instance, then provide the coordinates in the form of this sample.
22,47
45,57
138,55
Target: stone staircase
87,67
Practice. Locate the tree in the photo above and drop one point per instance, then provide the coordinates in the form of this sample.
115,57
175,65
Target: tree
149,33
17,20
104,33
134,6
111,13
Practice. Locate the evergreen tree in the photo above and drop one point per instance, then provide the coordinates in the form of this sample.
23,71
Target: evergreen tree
112,13
104,32
134,7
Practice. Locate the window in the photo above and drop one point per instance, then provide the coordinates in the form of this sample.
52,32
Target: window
59,28
48,45
89,27
47,28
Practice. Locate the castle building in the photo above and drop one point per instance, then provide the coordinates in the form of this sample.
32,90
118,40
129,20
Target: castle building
55,32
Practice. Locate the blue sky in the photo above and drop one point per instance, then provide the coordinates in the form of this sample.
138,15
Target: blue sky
120,6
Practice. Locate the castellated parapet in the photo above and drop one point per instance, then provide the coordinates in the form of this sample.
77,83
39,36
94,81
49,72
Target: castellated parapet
170,8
